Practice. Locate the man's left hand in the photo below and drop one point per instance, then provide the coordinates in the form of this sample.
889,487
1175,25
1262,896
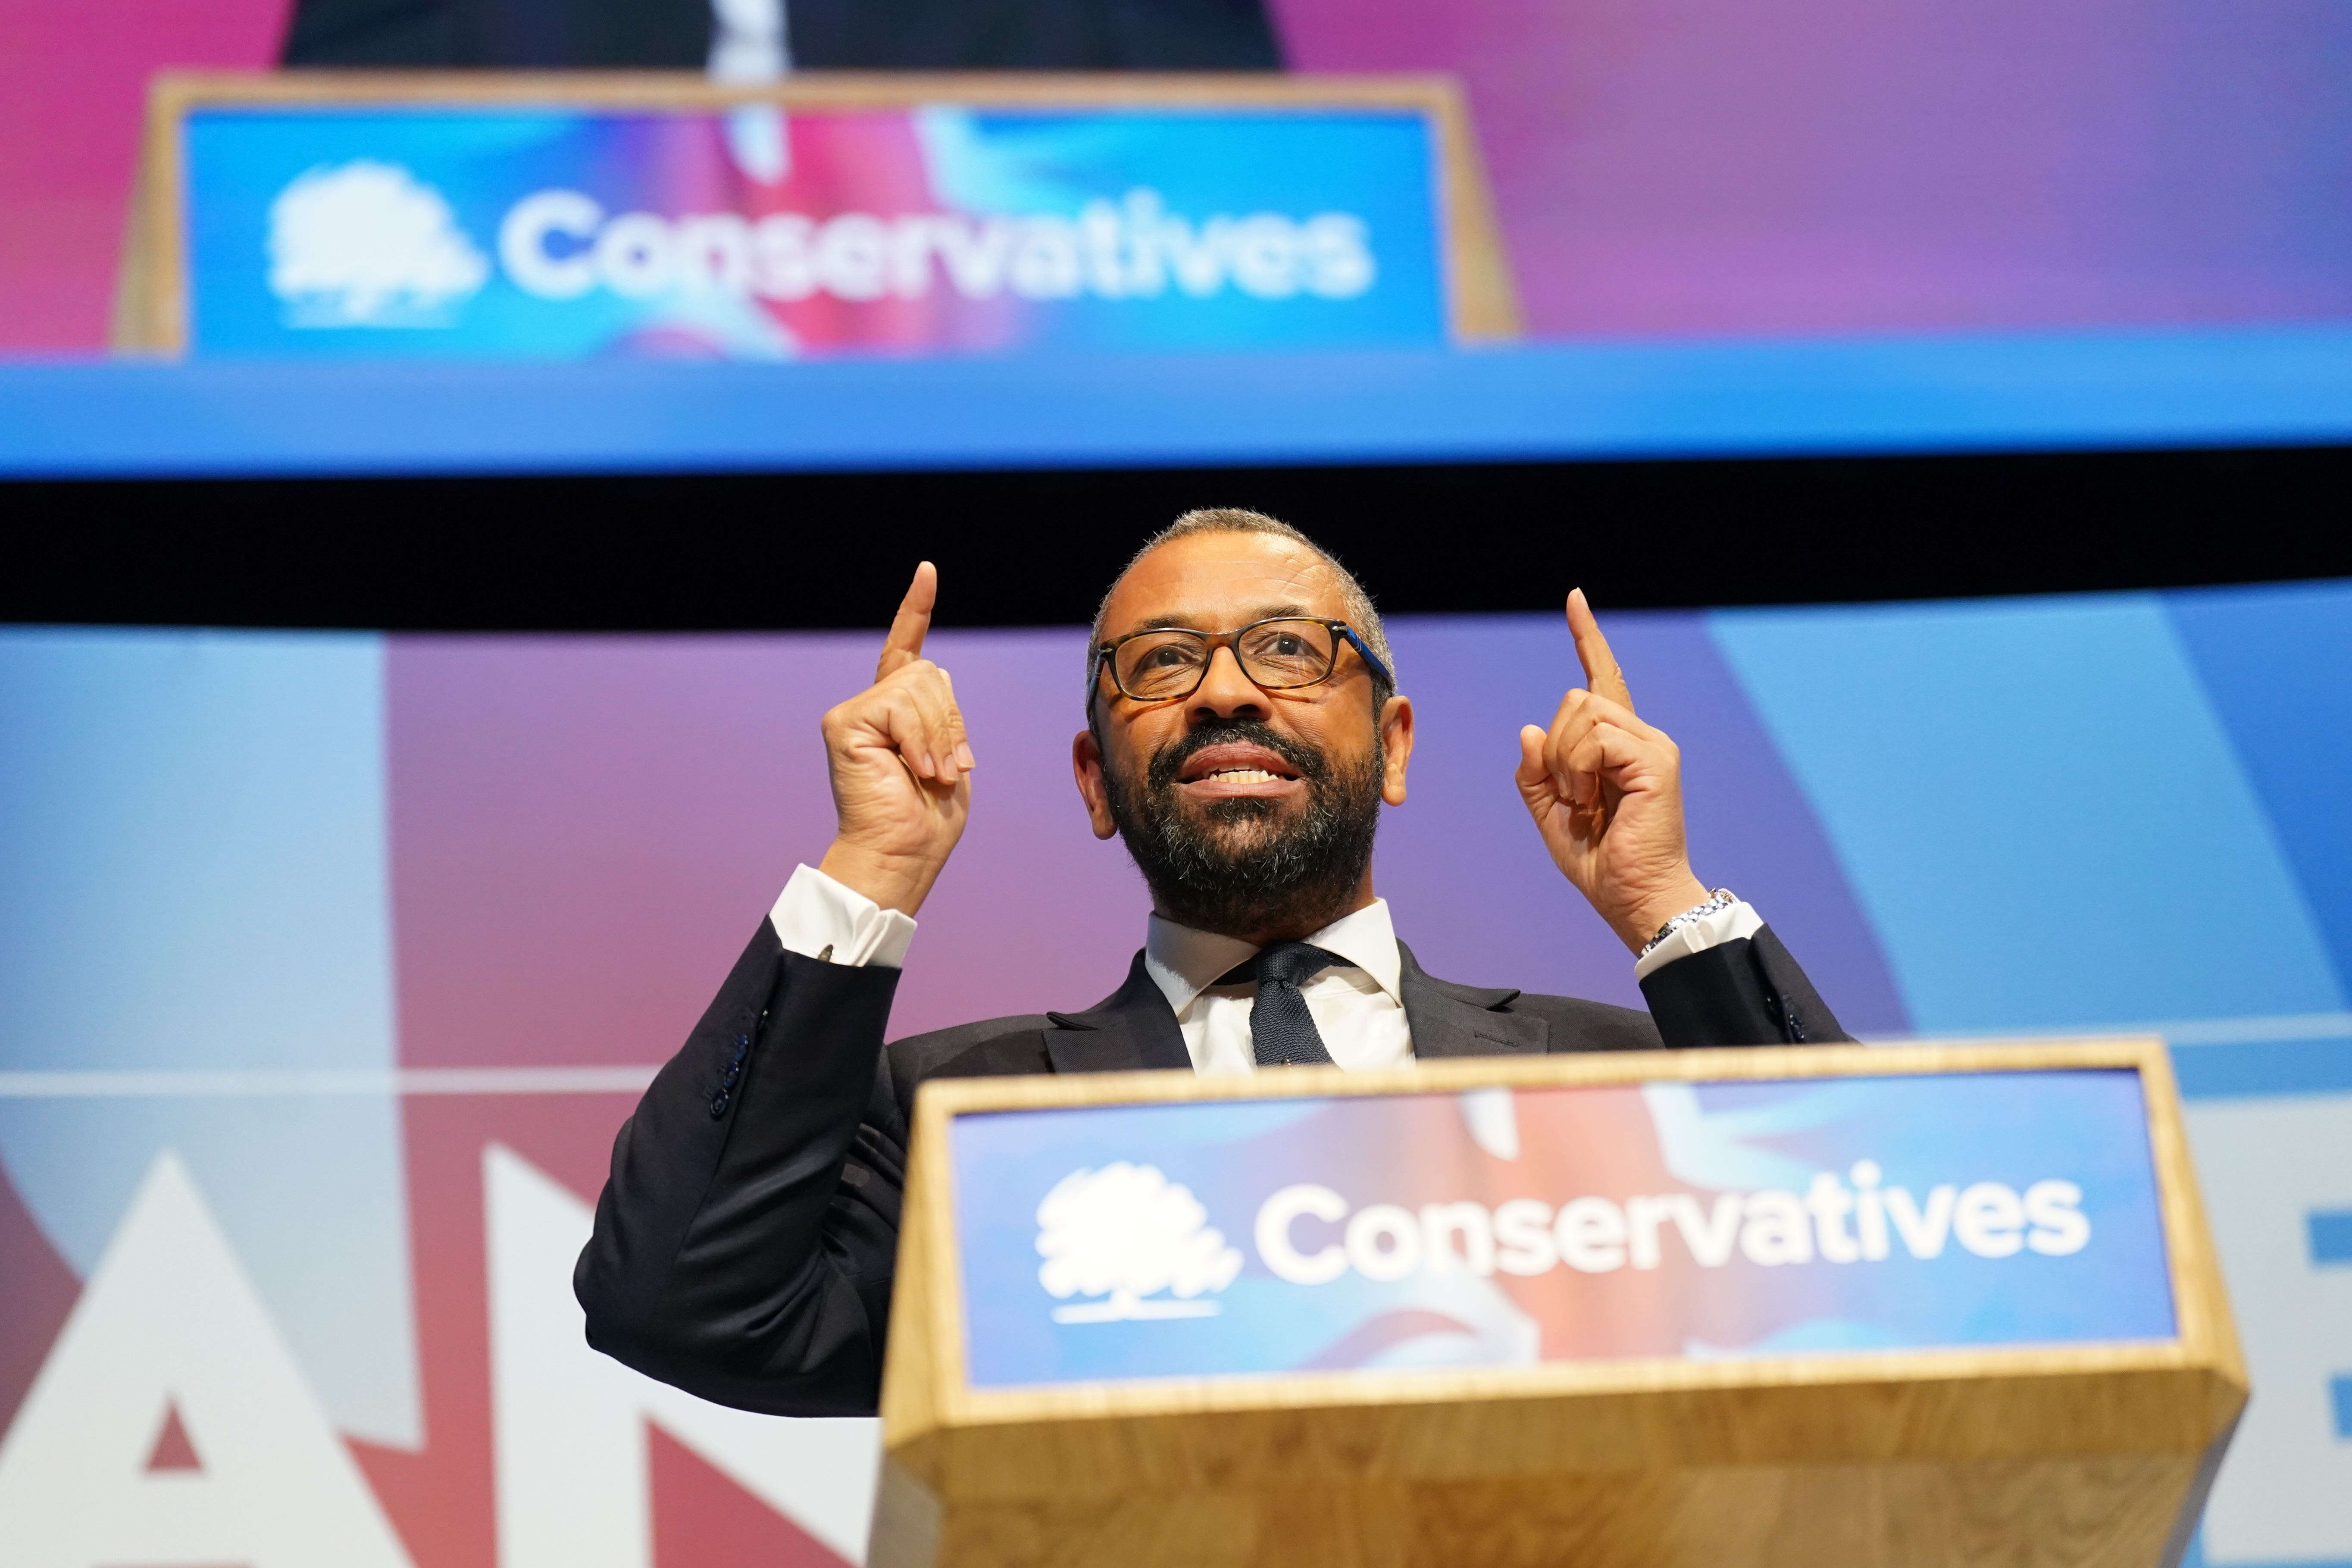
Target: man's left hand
1606,792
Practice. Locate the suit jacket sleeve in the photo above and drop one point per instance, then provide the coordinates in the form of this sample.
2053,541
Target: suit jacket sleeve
1750,992
746,1237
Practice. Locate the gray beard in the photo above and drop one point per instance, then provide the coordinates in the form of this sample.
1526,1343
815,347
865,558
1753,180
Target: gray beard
1208,869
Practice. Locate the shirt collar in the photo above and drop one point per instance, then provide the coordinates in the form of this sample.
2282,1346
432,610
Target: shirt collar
1183,963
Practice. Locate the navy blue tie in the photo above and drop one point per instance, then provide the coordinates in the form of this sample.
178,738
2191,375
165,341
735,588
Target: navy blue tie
1282,1031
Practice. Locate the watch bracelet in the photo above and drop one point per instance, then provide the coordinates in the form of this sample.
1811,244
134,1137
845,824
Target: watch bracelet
1720,900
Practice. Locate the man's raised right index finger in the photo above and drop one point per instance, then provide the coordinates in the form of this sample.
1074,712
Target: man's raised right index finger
904,645
1603,675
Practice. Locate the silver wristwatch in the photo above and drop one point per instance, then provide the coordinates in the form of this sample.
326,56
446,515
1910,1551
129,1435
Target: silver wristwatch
1720,900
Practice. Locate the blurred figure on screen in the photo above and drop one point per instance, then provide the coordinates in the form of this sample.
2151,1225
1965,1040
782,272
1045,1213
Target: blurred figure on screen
753,40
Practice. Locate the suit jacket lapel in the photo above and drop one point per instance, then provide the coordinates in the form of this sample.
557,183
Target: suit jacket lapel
1450,1020
1132,1028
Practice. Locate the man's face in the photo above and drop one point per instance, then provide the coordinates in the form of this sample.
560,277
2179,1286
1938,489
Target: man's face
1247,810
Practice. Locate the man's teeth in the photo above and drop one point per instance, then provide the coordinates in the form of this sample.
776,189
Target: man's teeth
1242,775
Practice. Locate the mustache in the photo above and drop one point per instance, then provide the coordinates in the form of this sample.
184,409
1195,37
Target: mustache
1170,760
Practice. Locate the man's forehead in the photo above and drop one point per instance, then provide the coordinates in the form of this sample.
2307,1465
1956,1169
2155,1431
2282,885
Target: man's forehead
1219,581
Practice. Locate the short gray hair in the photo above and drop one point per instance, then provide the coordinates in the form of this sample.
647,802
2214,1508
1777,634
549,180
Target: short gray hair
1361,616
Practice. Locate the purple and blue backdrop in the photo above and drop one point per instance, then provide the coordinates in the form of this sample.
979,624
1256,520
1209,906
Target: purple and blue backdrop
1798,226
329,964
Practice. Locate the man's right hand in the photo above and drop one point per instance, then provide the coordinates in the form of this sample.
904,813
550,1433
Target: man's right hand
900,767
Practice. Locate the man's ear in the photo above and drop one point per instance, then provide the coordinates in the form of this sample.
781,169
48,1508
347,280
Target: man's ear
1086,762
1396,744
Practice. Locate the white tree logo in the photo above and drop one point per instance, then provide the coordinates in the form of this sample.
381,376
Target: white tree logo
1125,1232
367,244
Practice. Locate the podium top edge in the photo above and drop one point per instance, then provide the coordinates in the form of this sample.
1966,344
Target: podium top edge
2143,1053
176,93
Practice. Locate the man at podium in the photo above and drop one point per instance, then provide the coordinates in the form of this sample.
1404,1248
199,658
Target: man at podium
1244,728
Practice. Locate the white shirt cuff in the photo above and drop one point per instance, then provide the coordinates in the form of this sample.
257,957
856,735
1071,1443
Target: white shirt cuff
817,916
1726,924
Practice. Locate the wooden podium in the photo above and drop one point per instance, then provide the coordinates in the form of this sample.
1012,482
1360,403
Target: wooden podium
1132,1327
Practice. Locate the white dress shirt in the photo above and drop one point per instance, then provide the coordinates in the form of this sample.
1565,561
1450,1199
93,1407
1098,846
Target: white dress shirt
1358,1010
1357,1007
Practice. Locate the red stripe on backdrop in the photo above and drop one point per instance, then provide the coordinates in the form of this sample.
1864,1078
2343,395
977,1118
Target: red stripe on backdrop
701,1518
441,1499
37,1289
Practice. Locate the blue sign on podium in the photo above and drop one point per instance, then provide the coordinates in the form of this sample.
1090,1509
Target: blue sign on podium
1498,1226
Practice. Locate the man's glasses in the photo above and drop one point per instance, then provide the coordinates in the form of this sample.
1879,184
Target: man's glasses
1161,664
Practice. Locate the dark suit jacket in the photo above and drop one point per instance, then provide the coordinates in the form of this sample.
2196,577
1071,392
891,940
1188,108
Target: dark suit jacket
745,1242
823,35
